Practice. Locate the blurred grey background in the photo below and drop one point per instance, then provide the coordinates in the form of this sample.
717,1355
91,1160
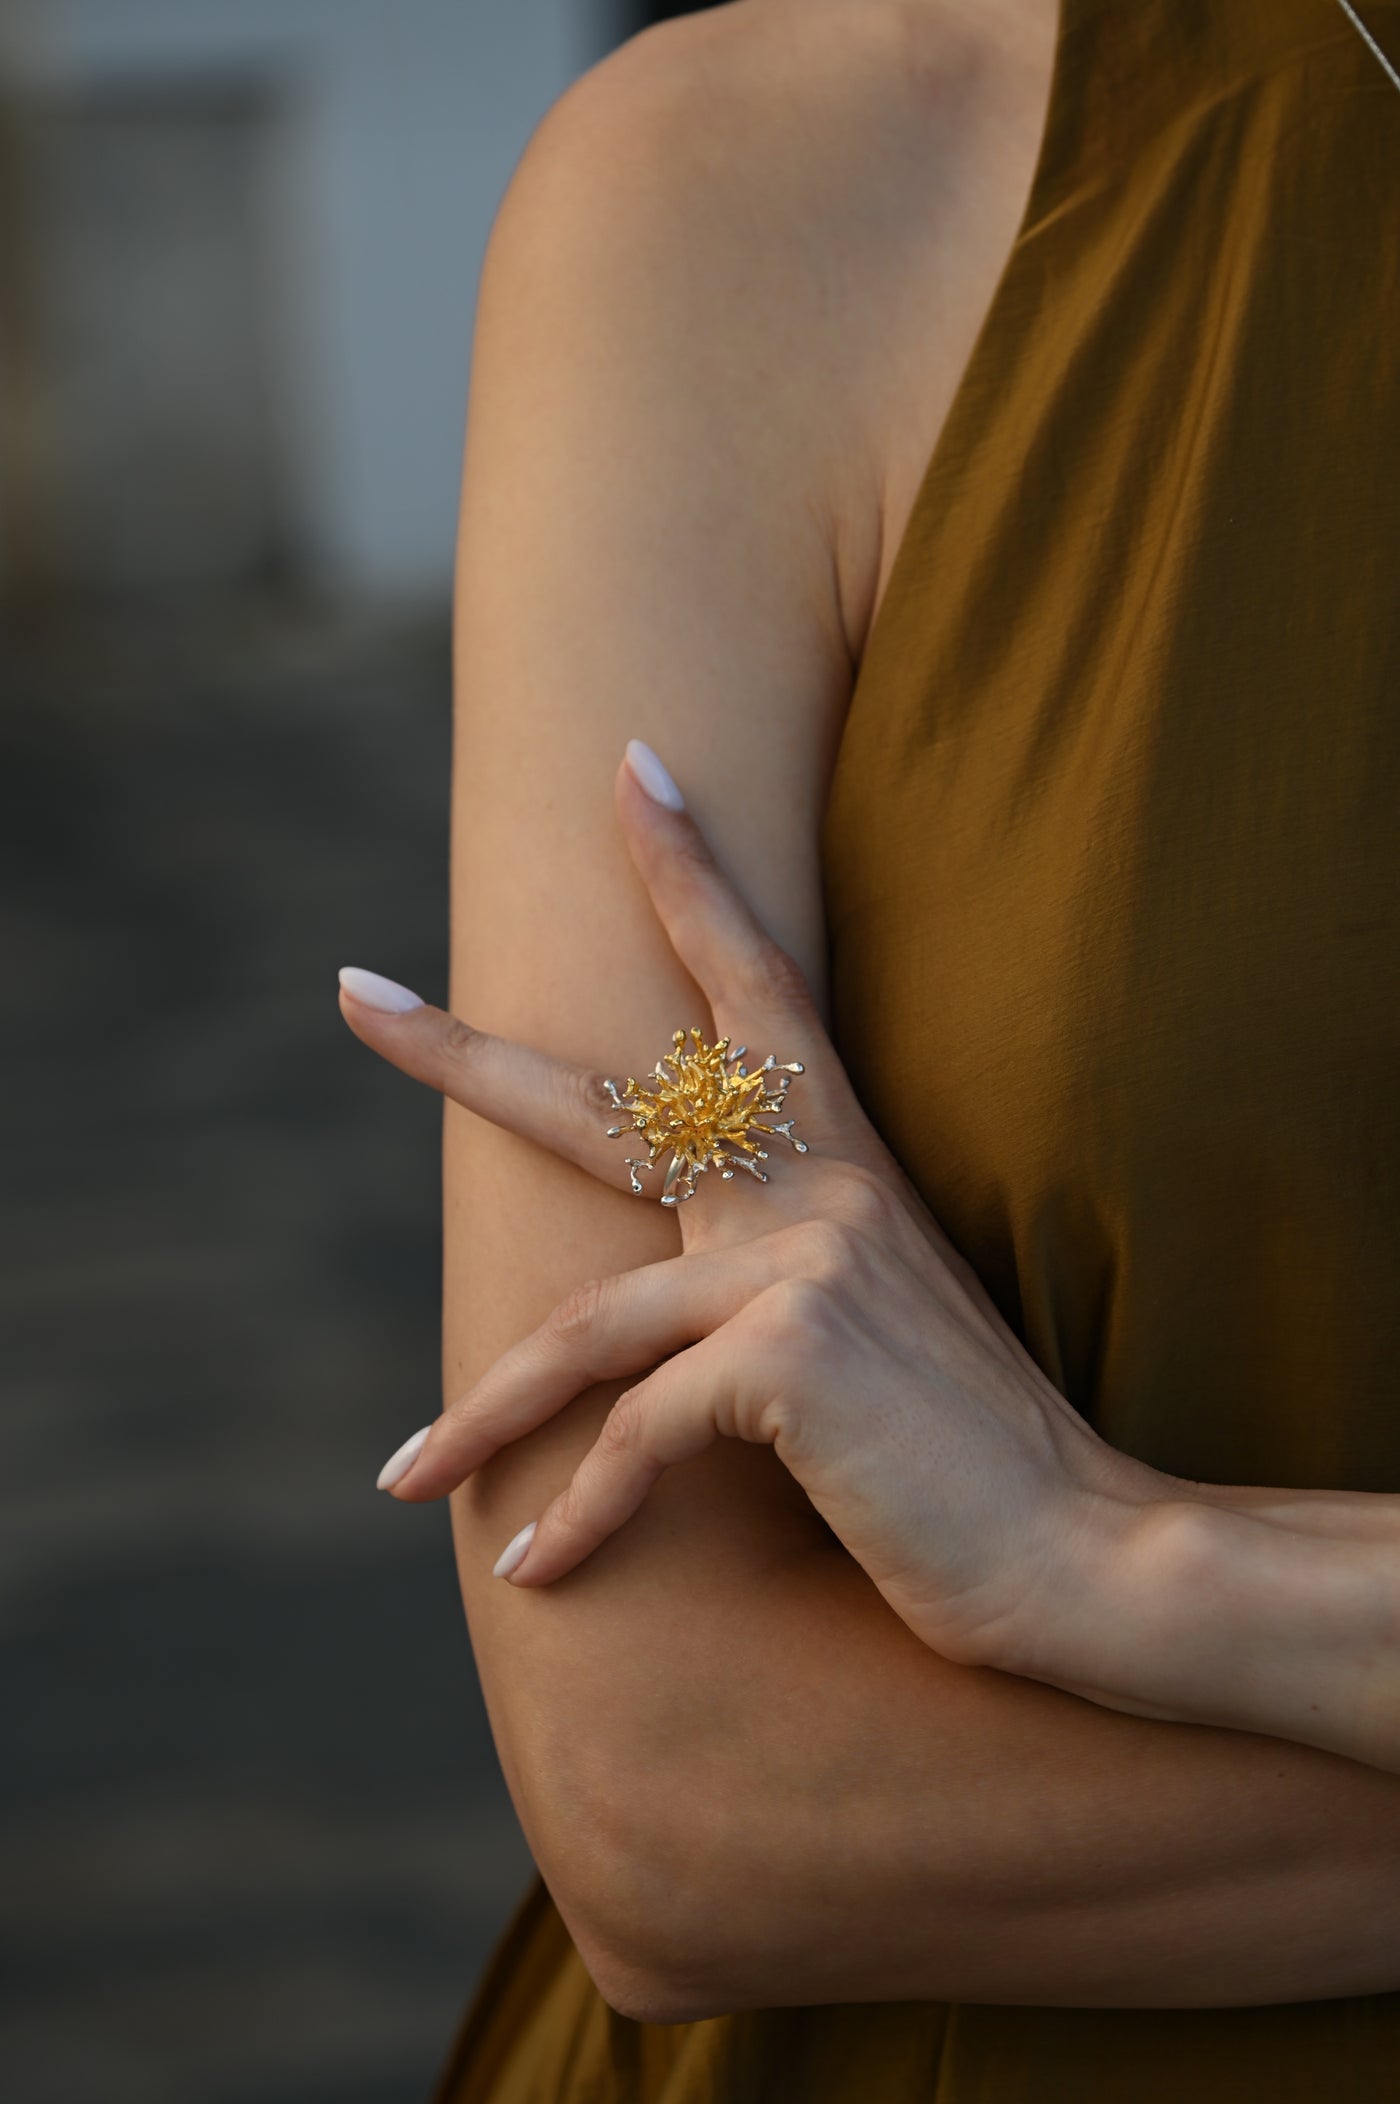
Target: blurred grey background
256,1847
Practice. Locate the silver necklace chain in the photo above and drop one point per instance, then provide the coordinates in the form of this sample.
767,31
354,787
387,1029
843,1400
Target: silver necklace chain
1360,26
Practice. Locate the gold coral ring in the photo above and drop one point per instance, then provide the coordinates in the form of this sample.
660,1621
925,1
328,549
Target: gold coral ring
705,1108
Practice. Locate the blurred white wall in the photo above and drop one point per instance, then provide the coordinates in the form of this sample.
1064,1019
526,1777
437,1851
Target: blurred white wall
404,121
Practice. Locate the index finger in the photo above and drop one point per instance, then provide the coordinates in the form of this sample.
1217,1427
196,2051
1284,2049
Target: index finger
558,1105
758,993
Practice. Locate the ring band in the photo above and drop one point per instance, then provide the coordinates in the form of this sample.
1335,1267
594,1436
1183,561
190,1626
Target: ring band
705,1108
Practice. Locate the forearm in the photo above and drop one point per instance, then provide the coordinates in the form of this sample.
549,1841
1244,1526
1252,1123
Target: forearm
750,1786
1348,1515
1265,1611
901,1828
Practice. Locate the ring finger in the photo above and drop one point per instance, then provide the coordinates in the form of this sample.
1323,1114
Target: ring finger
608,1329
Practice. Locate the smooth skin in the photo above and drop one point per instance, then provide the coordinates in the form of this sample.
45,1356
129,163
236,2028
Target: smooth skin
831,1320
726,303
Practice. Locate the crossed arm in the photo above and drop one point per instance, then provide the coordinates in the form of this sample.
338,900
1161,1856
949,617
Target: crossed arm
746,1783
749,1786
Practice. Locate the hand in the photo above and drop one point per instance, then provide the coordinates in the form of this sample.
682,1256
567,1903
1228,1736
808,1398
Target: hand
824,1314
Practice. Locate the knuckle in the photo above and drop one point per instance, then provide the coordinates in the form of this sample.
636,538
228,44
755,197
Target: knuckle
460,1042
566,1511
862,1200
622,1427
576,1317
464,1407
793,1316
590,1098
690,857
773,977
829,1248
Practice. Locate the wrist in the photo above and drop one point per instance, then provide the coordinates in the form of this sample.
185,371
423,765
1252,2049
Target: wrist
1079,1626
1212,1615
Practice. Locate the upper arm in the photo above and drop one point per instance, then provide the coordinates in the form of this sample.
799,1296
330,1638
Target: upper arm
650,547
644,551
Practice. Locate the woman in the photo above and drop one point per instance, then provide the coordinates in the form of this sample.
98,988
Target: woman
959,440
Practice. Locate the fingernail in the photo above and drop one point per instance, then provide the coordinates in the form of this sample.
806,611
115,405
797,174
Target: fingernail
653,776
384,994
398,1465
513,1554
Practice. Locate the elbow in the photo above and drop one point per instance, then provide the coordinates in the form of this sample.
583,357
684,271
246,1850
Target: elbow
633,1985
635,1885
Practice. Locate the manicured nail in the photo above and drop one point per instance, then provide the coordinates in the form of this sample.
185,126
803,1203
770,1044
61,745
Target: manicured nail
513,1554
384,994
653,776
398,1465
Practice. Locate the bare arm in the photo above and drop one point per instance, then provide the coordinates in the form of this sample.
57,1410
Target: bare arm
746,1783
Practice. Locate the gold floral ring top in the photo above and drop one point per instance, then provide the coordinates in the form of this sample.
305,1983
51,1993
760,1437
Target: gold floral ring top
707,1109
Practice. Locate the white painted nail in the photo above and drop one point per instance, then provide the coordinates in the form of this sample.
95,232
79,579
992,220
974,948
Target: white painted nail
513,1554
653,777
384,994
398,1465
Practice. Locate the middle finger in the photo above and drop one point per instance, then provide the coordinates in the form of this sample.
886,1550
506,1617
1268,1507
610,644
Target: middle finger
608,1329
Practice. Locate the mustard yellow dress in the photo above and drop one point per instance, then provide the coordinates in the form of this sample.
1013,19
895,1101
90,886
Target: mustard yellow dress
1112,863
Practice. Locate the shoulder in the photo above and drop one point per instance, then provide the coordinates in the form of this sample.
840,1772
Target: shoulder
777,107
724,218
